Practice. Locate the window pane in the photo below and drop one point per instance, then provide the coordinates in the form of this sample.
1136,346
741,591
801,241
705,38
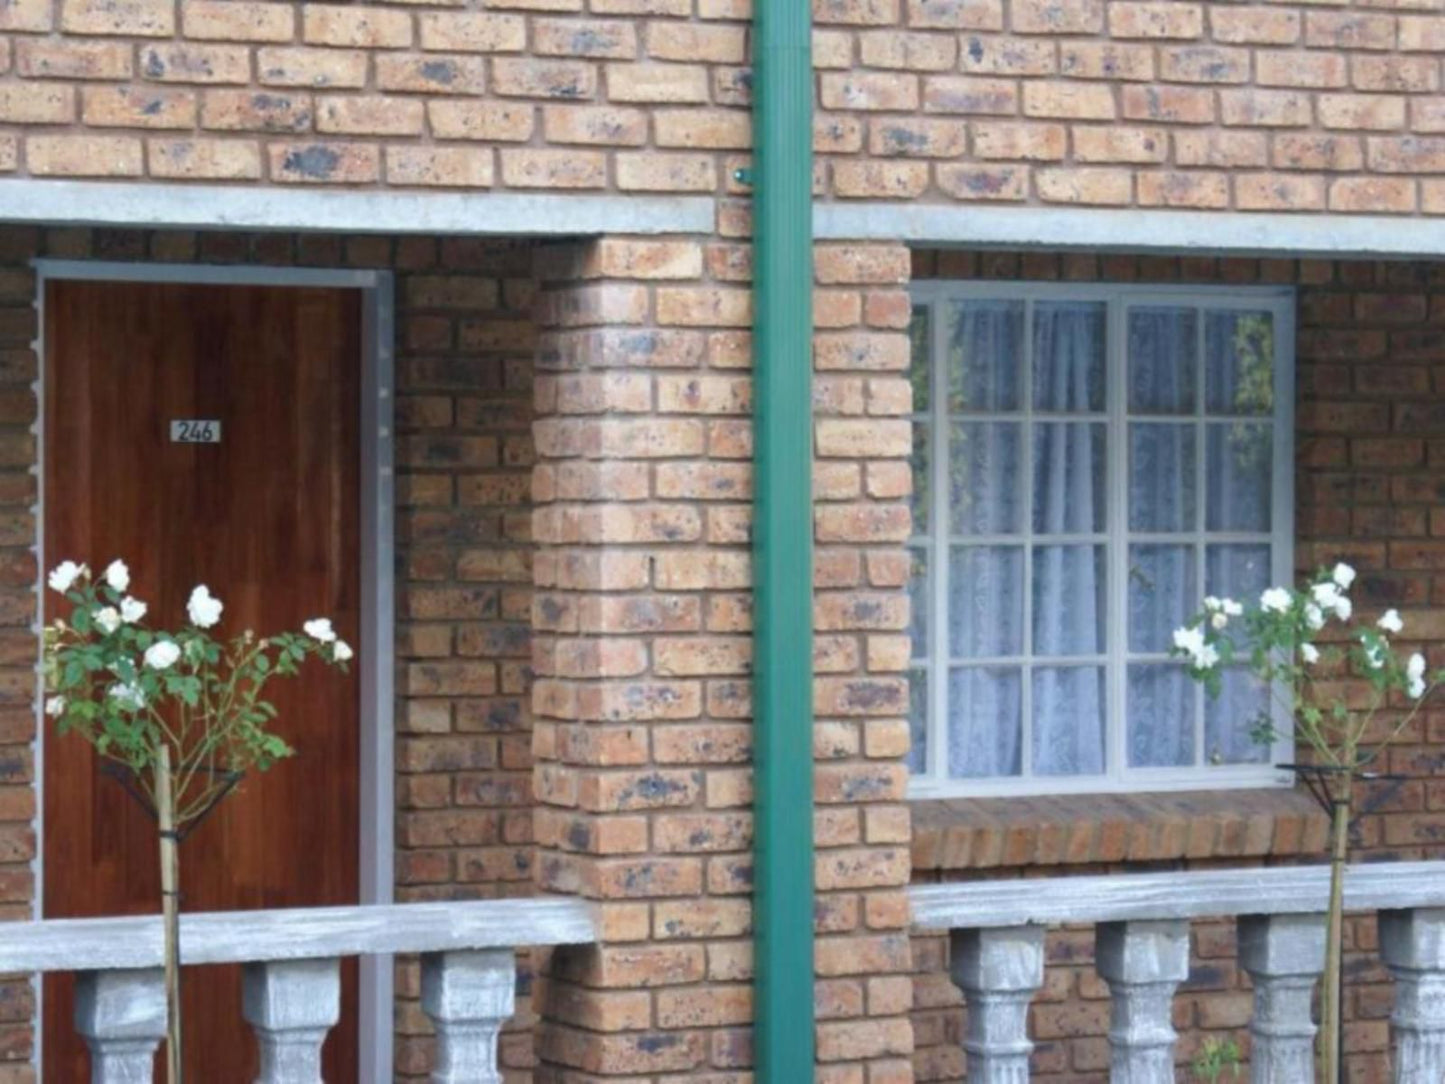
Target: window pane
920,357
984,358
918,597
921,501
1162,477
1160,711
1163,593
985,712
986,601
984,478
1232,720
1069,355
1068,600
1238,464
1068,711
1163,364
1069,477
1239,362
1238,572
917,721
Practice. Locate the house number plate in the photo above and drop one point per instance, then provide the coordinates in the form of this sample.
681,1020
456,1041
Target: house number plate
195,431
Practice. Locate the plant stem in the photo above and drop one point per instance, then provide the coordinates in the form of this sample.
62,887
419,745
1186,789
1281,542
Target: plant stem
1331,993
170,907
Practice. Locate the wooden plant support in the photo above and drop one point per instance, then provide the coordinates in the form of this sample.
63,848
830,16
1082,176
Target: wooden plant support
170,908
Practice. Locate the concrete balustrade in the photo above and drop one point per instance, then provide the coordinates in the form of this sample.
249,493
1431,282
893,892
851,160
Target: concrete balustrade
1141,925
291,978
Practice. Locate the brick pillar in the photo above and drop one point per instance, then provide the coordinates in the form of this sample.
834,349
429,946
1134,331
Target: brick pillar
641,640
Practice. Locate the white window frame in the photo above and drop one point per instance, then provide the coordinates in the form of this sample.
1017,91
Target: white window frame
1118,298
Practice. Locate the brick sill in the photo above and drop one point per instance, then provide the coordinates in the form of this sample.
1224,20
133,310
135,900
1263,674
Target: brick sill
1000,833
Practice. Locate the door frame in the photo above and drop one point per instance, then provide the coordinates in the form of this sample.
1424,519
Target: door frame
378,593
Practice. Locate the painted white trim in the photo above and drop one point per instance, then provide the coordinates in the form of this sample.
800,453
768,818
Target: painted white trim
1279,301
376,798
1103,230
254,207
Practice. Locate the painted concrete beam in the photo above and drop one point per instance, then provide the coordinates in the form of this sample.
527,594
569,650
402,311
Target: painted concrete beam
244,207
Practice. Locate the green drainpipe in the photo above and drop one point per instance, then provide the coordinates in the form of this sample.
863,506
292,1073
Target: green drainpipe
783,540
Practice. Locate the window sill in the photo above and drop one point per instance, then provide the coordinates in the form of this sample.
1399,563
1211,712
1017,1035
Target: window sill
1000,833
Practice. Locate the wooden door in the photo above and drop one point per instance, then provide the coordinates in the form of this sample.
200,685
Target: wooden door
268,519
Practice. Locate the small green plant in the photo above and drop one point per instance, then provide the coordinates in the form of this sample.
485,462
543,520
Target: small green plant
1216,1057
178,711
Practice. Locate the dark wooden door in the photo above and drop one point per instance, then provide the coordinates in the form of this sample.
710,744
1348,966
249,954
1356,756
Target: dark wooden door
268,519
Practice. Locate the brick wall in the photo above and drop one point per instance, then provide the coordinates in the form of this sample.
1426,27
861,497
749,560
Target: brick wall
642,652
1370,464
1275,106
464,457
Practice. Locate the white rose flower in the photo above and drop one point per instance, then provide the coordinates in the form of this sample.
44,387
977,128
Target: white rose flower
64,575
1328,597
1415,667
1375,656
1231,608
1211,603
161,654
107,619
118,576
55,706
1207,658
1309,653
131,610
341,651
1219,619
1416,688
1275,600
1190,641
127,696
203,608
1343,575
319,628
1314,616
1391,621
1343,608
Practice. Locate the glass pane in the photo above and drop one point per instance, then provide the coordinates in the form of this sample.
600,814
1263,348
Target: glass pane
921,501
984,483
1232,721
1239,362
918,598
1069,477
1069,355
917,721
1163,593
1068,735
1238,464
1162,477
919,357
984,357
1068,600
1163,363
1161,701
985,714
1237,572
986,601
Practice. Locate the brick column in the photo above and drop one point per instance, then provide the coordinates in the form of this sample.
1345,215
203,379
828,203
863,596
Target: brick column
641,622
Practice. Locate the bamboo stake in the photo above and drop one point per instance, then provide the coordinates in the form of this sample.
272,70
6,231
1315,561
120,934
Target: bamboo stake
170,905
1331,1017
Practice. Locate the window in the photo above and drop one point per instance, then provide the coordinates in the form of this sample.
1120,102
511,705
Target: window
1088,463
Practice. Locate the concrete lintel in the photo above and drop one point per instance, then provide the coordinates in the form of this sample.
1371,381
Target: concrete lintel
1095,230
246,207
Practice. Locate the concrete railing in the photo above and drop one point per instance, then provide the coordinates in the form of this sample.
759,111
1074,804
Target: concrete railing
1142,952
291,978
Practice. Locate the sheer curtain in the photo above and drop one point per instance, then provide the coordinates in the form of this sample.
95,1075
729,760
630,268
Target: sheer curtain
1068,707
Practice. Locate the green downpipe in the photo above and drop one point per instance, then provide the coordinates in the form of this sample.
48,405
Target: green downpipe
783,540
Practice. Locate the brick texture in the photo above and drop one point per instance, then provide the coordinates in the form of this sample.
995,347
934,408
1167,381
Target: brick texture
1369,447
1275,106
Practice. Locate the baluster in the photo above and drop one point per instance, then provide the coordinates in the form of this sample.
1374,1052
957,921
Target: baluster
1143,963
1412,944
999,971
1284,955
469,996
121,1015
291,1004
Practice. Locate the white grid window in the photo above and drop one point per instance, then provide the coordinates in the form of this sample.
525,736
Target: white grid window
1089,462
